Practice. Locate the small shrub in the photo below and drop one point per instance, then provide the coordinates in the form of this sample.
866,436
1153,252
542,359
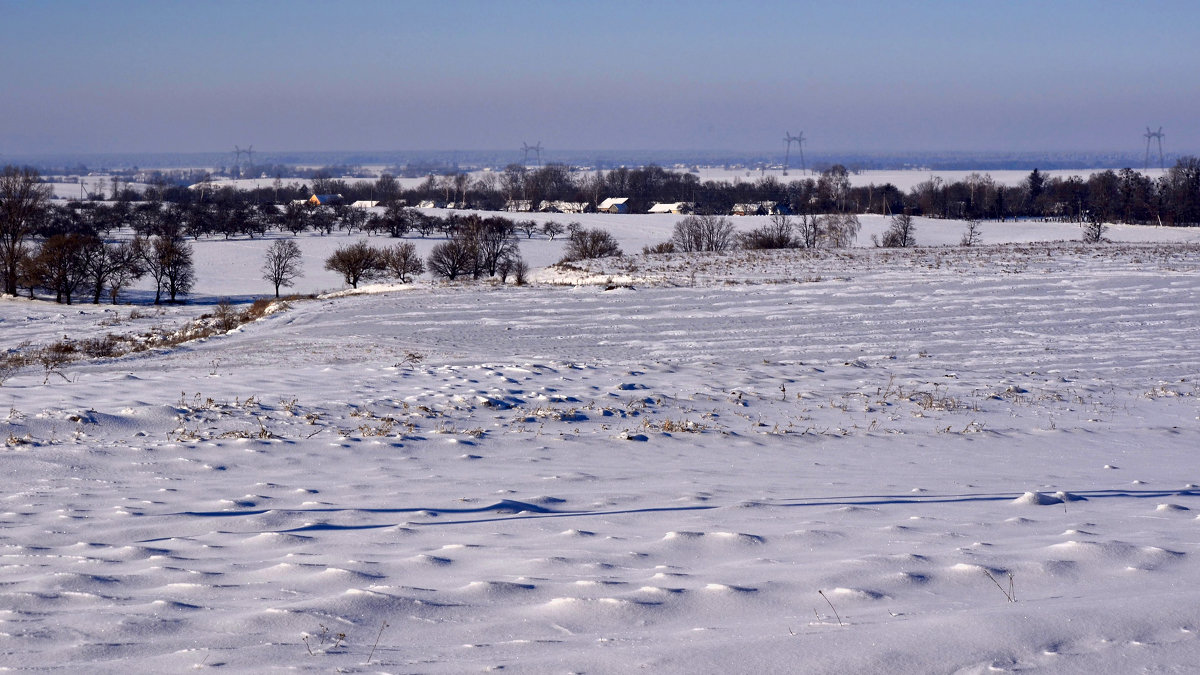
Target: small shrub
776,234
226,316
586,244
1093,230
703,233
659,248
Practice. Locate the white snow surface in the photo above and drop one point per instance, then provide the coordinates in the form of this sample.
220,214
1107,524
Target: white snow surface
937,460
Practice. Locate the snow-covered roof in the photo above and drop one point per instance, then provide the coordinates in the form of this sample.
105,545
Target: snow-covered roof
669,207
563,206
612,201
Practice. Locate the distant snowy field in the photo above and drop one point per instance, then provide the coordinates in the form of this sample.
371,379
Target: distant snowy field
848,461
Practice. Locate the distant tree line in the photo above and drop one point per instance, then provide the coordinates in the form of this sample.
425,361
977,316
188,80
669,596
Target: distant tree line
1124,196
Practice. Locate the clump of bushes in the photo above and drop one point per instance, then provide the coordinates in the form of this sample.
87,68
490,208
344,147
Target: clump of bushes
585,244
360,262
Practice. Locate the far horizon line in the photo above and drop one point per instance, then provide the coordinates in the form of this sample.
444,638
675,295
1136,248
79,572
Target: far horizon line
518,150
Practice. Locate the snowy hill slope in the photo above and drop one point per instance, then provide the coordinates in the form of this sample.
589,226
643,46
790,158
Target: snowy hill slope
847,462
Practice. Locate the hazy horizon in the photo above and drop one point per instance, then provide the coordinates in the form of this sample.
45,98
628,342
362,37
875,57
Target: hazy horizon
867,77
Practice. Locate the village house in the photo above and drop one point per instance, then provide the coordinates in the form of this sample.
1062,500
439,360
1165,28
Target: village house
325,200
671,207
562,207
614,205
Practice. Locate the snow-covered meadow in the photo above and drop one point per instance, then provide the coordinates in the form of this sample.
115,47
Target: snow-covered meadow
936,460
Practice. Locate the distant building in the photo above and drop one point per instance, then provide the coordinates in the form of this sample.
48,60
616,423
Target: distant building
614,205
518,205
760,209
563,207
748,209
671,207
431,204
325,200
364,204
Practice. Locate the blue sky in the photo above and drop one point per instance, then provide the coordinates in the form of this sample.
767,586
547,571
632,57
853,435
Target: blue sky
874,76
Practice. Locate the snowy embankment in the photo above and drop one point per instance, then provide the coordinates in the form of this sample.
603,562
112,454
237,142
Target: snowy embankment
941,460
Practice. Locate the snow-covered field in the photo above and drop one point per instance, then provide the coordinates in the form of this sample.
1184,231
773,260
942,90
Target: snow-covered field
754,462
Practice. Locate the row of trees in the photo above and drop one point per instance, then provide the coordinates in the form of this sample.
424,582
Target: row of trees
478,247
215,219
713,233
68,265
68,262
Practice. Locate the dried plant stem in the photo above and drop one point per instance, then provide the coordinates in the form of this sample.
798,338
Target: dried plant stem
835,612
377,636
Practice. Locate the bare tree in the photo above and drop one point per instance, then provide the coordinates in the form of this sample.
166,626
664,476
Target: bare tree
402,261
1094,229
103,263
397,219
971,236
834,185
808,231
62,264
514,265
22,197
529,227
453,258
355,262
461,181
901,233
837,230
494,240
126,268
295,217
551,229
176,255
168,261
283,264
387,188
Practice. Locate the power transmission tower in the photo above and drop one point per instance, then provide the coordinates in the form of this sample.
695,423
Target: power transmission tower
535,149
1150,135
787,153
